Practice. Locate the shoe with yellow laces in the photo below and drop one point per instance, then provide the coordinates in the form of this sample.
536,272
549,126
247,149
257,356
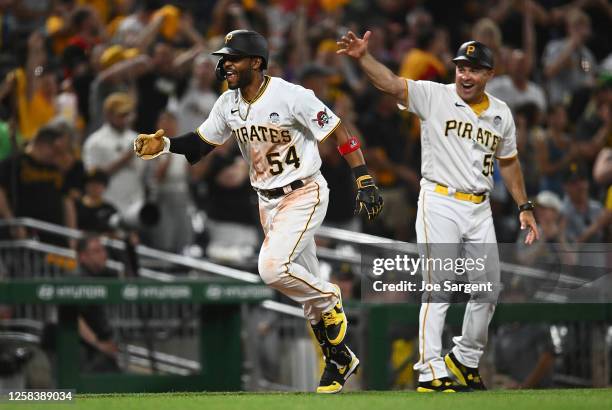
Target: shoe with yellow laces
466,376
335,322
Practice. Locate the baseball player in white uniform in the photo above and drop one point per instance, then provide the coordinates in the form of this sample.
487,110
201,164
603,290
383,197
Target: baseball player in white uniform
463,130
277,126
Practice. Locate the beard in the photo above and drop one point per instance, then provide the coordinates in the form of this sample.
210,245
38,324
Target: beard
244,78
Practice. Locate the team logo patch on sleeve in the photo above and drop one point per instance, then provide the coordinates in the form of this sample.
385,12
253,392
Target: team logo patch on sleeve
322,118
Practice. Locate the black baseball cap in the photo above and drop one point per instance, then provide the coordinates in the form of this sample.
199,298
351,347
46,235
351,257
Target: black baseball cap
476,53
575,171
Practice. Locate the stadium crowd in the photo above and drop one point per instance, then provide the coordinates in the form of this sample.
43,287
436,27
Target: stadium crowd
80,78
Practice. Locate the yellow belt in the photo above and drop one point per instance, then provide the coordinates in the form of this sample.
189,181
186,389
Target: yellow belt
463,196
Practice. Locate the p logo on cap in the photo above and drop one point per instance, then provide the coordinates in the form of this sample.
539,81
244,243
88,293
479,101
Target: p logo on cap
470,50
228,37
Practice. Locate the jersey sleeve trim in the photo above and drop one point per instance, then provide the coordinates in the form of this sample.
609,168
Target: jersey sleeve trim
331,132
204,139
513,155
402,103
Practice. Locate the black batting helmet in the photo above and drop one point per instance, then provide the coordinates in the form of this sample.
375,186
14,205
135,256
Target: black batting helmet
476,53
246,43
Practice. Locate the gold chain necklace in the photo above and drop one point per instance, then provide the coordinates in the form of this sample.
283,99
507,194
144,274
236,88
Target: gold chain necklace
249,103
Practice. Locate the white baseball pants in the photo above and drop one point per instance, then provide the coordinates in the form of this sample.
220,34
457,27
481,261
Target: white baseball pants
445,226
287,259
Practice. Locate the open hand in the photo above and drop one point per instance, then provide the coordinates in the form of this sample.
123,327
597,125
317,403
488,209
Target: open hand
353,46
528,222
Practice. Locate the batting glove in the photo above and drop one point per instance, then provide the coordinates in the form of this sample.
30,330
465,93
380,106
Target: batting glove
149,146
368,197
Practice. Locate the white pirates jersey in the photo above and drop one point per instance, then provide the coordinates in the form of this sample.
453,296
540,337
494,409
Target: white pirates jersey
457,146
277,132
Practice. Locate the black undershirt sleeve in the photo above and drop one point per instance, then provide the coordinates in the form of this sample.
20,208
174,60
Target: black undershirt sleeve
191,146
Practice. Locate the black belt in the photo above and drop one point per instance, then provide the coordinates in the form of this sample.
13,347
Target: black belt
280,191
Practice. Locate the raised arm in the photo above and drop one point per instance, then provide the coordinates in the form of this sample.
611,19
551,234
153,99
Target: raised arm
380,76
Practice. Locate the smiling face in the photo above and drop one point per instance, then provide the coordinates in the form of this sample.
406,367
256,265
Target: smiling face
240,70
471,80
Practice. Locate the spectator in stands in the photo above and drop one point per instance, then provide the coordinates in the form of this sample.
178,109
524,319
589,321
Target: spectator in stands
553,250
156,86
389,153
527,133
87,28
555,150
33,87
70,162
568,64
199,97
602,171
429,59
93,212
10,26
171,173
417,21
514,88
110,149
112,69
232,223
594,128
165,77
316,77
100,350
57,25
488,33
32,185
586,218
132,27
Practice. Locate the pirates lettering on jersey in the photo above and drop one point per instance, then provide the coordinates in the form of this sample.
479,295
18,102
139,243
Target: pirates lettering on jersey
261,133
467,130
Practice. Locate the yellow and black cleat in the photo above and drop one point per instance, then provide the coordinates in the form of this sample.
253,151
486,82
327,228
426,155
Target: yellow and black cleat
442,385
335,323
466,376
338,369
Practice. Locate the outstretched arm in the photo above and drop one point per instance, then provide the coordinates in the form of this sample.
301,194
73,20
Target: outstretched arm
368,197
149,146
380,76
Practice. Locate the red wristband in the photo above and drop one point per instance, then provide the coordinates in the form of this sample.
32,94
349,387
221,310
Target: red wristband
352,144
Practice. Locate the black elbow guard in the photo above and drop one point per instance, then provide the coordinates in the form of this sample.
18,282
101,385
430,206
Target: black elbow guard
191,146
